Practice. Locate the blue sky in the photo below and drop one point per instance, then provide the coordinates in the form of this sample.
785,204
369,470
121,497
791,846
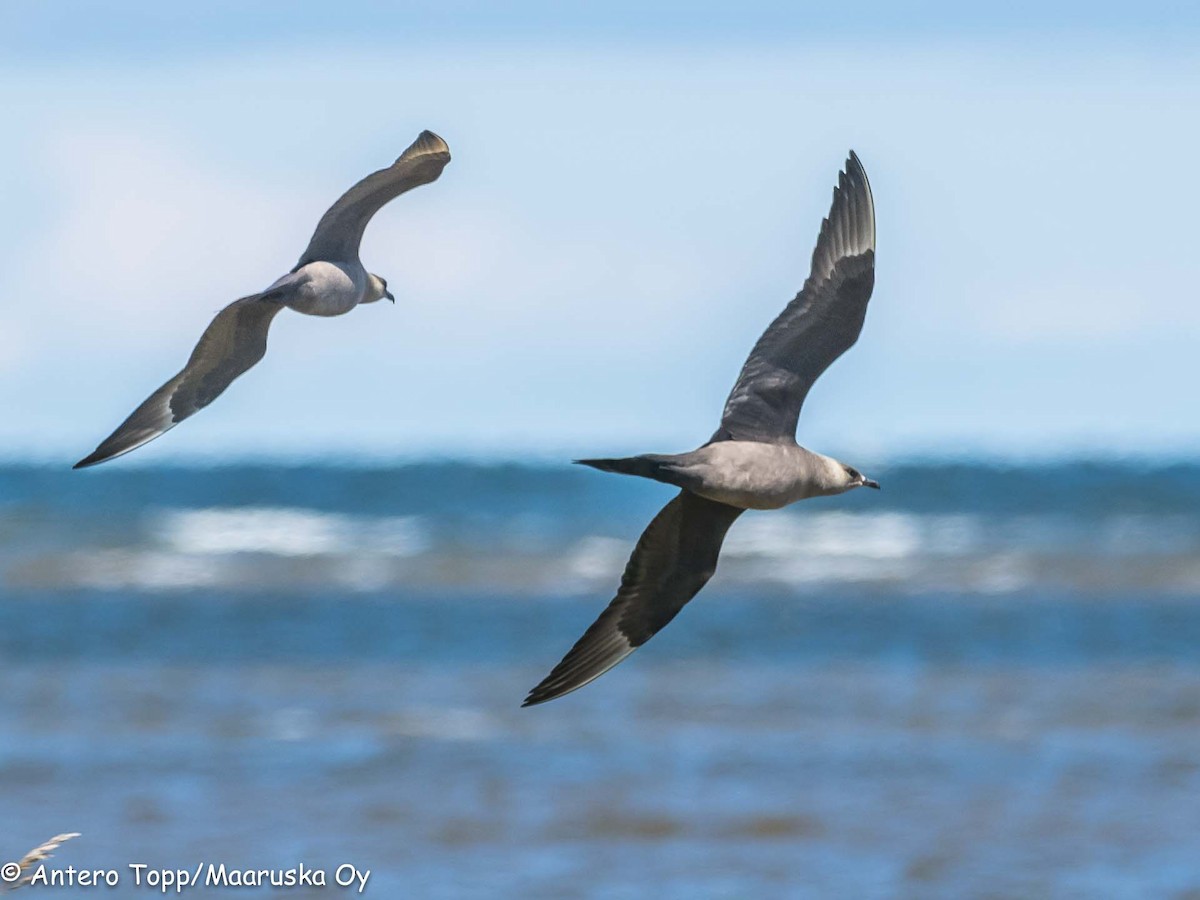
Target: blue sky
634,194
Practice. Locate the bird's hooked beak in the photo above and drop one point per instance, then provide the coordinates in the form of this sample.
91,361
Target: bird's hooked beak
387,295
870,482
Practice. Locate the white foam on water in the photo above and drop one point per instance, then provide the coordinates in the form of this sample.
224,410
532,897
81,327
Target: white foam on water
821,547
114,569
880,536
806,569
597,557
282,531
217,548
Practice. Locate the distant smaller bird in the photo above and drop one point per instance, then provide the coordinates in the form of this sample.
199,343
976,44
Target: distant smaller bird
753,460
329,280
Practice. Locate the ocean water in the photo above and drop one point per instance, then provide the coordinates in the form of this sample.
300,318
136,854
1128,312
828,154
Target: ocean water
979,682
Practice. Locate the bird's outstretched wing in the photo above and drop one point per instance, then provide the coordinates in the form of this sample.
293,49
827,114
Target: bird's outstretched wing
675,557
234,341
341,229
818,326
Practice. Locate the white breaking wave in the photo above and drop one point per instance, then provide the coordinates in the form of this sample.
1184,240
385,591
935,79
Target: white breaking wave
207,548
597,557
921,551
253,548
889,535
821,547
144,570
282,531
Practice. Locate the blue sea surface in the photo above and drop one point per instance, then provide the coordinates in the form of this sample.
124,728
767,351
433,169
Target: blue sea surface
981,681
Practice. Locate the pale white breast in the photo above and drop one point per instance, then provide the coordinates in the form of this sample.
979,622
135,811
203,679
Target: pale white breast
329,289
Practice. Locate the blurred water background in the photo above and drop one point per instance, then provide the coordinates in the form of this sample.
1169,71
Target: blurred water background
981,681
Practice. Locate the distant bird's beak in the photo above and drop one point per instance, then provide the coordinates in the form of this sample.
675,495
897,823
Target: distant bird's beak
388,295
867,482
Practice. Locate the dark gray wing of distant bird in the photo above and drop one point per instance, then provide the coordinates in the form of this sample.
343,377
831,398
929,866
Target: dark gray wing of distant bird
341,229
675,557
818,326
234,341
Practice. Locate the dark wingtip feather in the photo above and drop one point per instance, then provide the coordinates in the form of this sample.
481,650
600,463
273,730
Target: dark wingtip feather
428,144
604,465
599,649
539,694
534,699
102,454
576,670
106,451
117,444
859,214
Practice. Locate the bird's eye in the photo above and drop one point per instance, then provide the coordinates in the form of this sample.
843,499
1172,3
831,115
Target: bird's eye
852,473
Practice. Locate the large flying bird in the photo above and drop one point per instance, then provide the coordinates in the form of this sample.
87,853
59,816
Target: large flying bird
329,280
753,460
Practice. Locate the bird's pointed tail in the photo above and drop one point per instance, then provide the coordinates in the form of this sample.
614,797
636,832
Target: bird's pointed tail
659,468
